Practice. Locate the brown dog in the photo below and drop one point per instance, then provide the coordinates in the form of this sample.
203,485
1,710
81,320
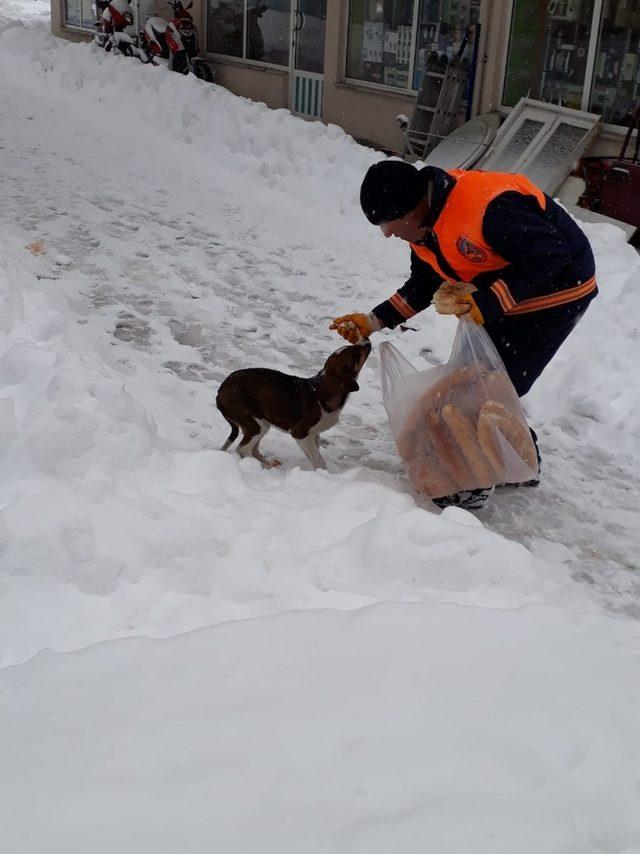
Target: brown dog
255,399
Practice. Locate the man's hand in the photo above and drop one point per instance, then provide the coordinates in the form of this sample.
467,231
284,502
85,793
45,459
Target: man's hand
355,327
450,298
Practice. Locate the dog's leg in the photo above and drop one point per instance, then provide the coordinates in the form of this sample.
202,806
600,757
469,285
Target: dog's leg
232,437
309,446
253,433
305,436
264,429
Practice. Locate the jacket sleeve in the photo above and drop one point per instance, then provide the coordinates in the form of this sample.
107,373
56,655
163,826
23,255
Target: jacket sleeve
525,235
414,296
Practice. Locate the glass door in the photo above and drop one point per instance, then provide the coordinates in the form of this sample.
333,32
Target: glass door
307,57
548,51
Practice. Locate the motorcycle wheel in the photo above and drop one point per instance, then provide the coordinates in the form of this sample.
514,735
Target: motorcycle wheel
202,71
180,62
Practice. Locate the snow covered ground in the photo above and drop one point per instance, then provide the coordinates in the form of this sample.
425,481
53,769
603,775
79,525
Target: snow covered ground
398,728
488,701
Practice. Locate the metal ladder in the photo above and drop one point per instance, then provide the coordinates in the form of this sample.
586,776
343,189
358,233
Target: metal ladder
437,104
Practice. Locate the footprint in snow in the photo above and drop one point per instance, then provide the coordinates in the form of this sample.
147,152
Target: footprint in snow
132,329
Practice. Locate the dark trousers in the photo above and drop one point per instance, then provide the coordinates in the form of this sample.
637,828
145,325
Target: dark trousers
527,343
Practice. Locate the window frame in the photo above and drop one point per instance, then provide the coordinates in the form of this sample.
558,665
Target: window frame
596,24
551,116
377,87
251,63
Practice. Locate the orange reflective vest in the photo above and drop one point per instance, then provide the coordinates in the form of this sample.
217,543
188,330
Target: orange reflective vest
458,229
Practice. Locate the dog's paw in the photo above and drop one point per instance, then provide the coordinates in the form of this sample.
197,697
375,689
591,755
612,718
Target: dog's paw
273,464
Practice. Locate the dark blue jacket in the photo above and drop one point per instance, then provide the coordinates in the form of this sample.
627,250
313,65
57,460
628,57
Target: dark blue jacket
546,251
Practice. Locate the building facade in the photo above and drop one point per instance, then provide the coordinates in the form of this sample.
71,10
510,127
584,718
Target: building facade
359,63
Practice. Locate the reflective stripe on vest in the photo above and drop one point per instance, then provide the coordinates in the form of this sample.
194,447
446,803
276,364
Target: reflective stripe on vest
458,229
511,307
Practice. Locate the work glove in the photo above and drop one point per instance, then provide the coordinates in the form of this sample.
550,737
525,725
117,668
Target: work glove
355,327
454,298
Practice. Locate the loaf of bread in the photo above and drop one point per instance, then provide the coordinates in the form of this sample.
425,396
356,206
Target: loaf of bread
454,385
429,478
468,444
494,417
415,426
490,441
423,459
452,438
443,444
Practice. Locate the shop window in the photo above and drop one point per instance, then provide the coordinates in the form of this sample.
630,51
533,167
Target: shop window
441,29
250,29
379,41
547,58
548,51
72,13
616,78
80,13
382,43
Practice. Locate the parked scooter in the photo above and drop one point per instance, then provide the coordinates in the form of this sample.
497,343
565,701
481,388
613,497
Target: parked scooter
176,42
116,29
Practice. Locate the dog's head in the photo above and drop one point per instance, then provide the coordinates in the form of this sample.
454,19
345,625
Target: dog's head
343,366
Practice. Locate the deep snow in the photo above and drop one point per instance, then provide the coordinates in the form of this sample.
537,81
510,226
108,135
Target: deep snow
398,728
188,233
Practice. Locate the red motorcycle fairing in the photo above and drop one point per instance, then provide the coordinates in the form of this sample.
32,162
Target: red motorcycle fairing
174,40
155,31
116,17
183,23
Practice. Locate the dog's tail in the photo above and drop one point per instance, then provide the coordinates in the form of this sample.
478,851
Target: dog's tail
232,436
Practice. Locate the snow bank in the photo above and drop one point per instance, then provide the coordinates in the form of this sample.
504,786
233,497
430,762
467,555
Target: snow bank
233,136
110,528
188,233
594,387
395,728
119,516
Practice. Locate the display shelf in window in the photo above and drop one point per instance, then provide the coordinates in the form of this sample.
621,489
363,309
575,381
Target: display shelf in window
616,83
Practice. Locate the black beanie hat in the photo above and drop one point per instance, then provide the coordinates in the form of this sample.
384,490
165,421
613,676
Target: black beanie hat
392,188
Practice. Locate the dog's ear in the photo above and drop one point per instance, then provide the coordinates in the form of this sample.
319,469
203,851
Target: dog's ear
348,378
343,369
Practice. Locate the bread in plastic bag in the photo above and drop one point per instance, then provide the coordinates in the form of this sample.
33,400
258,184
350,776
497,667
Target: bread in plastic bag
457,426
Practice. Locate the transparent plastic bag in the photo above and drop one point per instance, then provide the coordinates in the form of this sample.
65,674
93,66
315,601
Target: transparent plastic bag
457,426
